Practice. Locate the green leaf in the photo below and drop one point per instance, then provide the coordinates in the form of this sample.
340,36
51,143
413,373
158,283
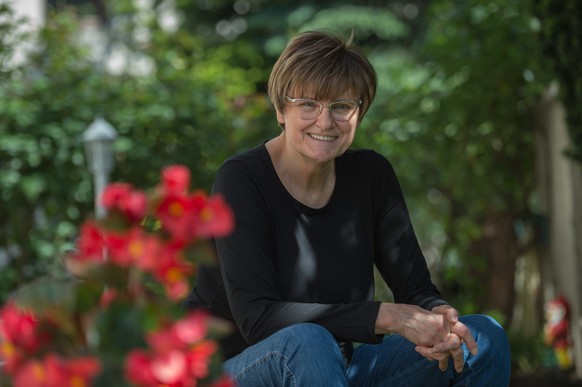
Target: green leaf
45,294
33,186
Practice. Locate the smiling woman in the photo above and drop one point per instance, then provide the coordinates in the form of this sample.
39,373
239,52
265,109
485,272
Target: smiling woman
307,67
313,217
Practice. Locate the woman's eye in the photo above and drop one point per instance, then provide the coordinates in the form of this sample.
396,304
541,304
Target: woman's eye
342,106
308,105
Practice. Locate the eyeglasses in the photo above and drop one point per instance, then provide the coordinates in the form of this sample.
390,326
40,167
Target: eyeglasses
310,109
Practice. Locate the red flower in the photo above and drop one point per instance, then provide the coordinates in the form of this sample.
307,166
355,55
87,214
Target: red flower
134,247
11,355
163,339
175,214
137,368
199,358
213,216
192,328
57,372
31,374
170,367
134,206
197,216
174,273
19,327
77,371
181,334
123,198
167,368
175,180
91,244
179,354
114,193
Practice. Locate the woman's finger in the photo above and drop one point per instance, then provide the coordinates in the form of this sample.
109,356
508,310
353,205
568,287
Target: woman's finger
464,333
458,360
453,341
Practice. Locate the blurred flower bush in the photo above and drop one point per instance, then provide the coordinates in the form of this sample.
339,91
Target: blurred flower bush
117,321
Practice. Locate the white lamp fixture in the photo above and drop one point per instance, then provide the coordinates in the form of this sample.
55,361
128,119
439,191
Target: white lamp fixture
98,140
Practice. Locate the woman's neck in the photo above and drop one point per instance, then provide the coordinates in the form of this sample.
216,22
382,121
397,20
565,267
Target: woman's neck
308,182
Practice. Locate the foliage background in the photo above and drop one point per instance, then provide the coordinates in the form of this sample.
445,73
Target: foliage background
459,82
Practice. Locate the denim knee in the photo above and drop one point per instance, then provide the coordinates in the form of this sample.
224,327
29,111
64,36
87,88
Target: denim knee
315,339
299,355
490,335
494,356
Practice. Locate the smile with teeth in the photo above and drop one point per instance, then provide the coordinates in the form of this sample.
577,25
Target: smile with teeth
321,138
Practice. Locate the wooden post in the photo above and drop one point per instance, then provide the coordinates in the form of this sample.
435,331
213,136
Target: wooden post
560,180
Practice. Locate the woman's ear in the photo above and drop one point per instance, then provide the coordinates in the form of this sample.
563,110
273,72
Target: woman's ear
280,118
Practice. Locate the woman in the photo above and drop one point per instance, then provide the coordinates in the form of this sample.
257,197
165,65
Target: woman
313,217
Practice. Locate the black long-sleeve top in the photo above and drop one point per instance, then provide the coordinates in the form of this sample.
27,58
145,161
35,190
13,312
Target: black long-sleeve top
287,263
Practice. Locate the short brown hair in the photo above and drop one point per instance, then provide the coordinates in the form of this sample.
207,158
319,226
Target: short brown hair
325,64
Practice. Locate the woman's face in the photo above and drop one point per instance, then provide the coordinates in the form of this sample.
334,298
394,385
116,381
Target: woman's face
323,138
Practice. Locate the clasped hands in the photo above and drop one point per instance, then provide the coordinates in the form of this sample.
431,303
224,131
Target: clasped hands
438,334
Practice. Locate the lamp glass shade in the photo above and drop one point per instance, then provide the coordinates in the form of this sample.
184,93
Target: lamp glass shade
98,140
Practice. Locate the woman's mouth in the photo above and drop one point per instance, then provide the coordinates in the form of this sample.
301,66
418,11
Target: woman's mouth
322,138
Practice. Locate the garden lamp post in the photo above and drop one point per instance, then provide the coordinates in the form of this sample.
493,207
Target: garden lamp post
98,139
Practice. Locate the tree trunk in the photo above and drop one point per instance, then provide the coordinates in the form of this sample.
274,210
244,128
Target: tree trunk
500,244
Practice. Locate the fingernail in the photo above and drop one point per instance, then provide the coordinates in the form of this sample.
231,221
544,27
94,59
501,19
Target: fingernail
474,351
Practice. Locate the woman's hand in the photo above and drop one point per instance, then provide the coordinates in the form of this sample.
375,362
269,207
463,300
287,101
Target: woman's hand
451,344
438,334
423,328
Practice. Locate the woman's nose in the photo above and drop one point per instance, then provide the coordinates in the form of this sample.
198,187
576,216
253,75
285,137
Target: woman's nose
324,119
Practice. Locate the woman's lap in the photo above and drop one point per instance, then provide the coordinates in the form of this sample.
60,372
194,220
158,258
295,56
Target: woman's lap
307,355
295,356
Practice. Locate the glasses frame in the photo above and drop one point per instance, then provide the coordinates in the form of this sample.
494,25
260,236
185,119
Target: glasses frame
358,102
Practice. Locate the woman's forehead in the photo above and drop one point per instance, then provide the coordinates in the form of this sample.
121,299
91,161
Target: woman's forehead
322,94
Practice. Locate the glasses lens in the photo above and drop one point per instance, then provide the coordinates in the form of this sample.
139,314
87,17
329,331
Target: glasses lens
308,109
342,110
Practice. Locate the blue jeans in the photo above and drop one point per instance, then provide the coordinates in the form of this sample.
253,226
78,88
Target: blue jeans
308,355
